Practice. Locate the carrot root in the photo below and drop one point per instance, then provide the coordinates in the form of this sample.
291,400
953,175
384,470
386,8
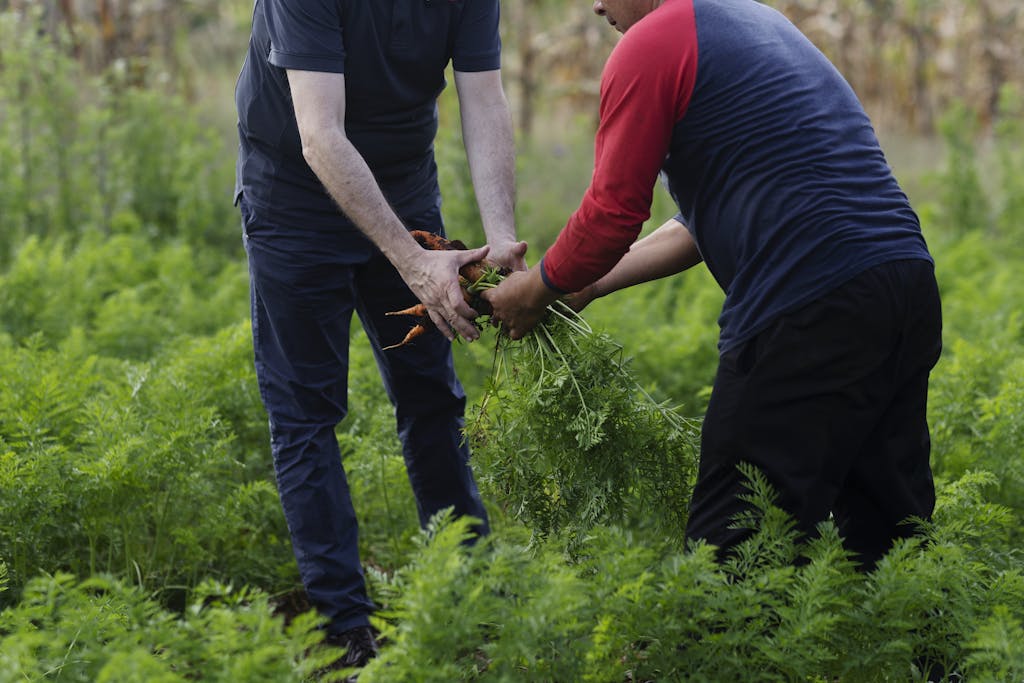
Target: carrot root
429,240
470,274
416,331
418,310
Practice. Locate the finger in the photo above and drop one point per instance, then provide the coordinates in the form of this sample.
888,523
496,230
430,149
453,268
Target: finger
459,305
441,324
517,258
464,327
461,315
469,256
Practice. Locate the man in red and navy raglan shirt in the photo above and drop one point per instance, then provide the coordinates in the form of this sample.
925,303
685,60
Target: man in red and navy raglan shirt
337,113
831,321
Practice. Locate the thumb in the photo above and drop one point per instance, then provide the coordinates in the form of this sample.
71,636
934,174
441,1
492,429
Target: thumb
473,255
520,249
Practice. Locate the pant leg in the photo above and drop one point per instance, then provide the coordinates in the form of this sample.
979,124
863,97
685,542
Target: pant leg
301,311
799,401
891,481
429,399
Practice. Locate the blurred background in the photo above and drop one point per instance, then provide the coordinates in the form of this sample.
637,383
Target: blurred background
907,59
910,61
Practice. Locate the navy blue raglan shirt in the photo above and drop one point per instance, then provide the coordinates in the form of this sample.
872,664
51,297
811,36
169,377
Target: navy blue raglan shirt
393,54
768,153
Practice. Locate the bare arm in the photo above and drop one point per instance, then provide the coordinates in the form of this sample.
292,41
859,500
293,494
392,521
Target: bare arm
319,100
668,250
490,149
519,301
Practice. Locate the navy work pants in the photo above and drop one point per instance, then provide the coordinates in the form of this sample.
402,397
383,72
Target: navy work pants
304,289
829,402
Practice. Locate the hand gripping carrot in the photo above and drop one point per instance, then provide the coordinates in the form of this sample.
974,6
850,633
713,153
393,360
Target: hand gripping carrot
471,272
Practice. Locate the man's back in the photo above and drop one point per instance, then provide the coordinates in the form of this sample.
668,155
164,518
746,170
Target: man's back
776,167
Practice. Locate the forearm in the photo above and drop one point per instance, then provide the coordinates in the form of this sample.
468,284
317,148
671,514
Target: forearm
668,250
490,150
319,101
347,178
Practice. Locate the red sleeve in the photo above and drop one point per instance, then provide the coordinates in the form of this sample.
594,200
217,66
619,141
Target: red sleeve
645,91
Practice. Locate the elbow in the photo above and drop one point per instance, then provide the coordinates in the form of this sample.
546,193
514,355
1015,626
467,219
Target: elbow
318,142
312,151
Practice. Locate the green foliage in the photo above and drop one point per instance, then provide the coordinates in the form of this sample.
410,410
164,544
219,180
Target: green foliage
567,439
96,453
486,612
82,153
997,649
128,295
976,389
648,611
671,328
1010,156
102,630
94,467
965,206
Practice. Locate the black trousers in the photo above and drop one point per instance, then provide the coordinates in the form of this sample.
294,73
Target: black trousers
830,403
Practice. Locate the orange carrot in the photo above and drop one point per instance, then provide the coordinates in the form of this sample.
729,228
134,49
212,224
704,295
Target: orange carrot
469,273
419,310
429,240
413,333
476,270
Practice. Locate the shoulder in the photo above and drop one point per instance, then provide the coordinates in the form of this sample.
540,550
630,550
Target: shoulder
659,51
662,37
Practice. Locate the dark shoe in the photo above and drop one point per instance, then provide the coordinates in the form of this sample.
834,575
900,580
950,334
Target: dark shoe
359,644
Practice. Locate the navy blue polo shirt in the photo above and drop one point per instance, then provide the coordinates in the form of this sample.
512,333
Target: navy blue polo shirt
393,54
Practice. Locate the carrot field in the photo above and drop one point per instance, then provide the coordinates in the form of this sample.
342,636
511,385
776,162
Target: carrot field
141,538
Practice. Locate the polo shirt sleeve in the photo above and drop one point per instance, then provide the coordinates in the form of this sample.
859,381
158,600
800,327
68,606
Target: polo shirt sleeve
477,41
305,35
645,91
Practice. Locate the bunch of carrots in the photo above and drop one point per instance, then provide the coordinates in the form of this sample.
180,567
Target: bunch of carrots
591,444
473,277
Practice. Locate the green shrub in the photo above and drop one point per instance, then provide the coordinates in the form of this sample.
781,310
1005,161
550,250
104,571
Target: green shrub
103,630
81,153
566,439
129,295
97,457
633,610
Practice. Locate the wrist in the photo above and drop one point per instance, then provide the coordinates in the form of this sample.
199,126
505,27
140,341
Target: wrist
541,292
402,251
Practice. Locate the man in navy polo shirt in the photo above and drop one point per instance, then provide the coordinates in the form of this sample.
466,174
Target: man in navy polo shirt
831,321
337,117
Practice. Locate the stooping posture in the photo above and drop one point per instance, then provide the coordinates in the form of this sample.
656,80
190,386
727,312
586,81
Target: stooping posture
337,109
831,321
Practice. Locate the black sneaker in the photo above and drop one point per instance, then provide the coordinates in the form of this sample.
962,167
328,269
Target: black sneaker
359,644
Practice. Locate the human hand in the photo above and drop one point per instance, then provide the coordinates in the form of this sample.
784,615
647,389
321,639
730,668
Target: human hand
520,302
509,254
433,276
577,301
